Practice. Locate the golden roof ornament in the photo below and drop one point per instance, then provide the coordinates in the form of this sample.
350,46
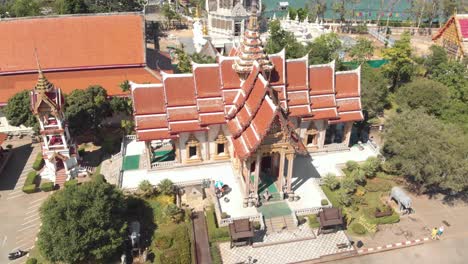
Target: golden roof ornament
42,85
251,49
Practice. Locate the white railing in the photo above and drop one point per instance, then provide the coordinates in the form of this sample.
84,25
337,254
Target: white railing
191,183
382,38
116,156
373,146
311,210
252,218
131,137
164,164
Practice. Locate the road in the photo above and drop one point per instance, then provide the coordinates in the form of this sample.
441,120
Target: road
19,211
447,251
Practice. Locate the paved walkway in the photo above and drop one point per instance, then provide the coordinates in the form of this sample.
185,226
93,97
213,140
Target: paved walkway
20,212
202,246
286,252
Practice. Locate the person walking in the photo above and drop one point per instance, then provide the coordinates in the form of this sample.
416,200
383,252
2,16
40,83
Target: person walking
434,233
440,231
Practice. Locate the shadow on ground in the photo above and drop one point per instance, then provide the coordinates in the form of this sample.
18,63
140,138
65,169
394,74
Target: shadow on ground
12,172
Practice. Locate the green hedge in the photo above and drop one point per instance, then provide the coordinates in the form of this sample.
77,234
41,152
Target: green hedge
391,219
215,255
71,183
216,234
31,188
31,178
39,162
313,221
47,186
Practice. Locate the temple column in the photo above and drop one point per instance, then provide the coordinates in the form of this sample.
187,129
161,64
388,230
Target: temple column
281,174
347,133
290,158
257,173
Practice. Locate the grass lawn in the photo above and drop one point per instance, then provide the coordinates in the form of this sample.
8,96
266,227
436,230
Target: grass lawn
365,202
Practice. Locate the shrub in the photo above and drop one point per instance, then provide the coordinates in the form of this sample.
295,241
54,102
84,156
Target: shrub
30,188
257,225
345,198
348,185
313,221
358,229
224,215
99,178
163,242
394,218
31,261
182,244
359,176
331,181
146,188
47,186
166,187
39,162
31,178
109,145
371,166
352,165
380,186
71,183
215,233
215,254
324,202
175,213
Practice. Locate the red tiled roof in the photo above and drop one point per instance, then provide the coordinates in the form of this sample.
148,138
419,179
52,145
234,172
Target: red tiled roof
347,85
68,81
215,95
463,27
71,42
3,137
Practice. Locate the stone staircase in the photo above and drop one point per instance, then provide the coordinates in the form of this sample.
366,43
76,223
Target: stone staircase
60,178
280,223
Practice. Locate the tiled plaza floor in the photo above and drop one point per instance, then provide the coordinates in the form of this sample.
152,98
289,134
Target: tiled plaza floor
288,252
301,233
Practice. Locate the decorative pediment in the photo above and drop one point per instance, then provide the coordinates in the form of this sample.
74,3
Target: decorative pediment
239,10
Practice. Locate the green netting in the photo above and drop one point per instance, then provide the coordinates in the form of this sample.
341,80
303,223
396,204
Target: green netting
274,209
131,162
372,63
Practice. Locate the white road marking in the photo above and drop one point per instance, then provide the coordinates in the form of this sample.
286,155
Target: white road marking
38,200
34,206
15,196
32,211
15,191
4,241
32,220
24,228
33,215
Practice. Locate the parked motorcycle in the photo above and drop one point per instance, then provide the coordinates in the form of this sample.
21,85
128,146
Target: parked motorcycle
16,254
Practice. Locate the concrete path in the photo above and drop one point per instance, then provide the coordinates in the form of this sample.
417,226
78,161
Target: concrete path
20,212
451,251
202,246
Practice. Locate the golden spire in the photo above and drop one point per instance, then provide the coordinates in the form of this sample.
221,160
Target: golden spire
197,11
205,29
42,85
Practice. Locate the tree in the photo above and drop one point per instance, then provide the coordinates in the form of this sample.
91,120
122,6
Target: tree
184,64
371,166
85,109
166,187
422,93
339,7
374,92
121,105
125,86
302,13
362,51
83,223
453,75
318,9
429,153
71,7
18,111
348,185
331,181
292,13
22,8
437,57
280,39
400,67
146,188
324,49
169,13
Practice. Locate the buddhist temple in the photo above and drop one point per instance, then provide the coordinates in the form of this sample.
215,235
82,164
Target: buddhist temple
453,36
58,149
257,111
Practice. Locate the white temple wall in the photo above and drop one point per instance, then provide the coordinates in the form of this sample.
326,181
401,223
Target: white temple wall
5,127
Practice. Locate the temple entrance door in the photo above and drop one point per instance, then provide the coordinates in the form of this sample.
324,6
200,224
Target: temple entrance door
59,164
269,172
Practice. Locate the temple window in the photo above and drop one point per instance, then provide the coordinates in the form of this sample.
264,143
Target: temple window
193,149
221,146
312,134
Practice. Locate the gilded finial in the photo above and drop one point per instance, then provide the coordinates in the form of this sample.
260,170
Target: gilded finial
42,85
205,29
